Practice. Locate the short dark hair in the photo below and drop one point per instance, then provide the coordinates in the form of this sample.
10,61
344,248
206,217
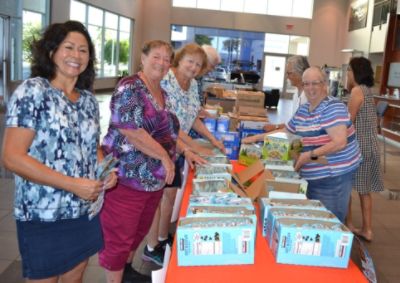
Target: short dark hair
362,71
44,48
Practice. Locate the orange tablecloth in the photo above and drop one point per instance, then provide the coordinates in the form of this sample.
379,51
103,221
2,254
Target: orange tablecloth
264,269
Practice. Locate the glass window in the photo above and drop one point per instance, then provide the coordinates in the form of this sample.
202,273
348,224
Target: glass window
209,4
34,18
110,53
124,24
111,21
95,16
280,8
79,11
302,8
276,43
238,49
299,45
184,3
111,35
232,5
287,8
255,6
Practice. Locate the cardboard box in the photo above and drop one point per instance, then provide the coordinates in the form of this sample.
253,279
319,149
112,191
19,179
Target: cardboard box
210,123
250,181
249,153
204,187
298,186
275,214
266,204
220,199
227,104
251,111
223,124
250,98
311,242
281,146
213,171
215,240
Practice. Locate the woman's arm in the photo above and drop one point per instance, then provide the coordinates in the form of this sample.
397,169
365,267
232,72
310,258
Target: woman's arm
199,127
146,144
16,159
338,136
355,101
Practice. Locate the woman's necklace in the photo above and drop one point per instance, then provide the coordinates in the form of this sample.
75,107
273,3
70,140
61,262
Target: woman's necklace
154,88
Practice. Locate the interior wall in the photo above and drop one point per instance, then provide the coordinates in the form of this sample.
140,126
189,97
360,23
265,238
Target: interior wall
328,32
359,39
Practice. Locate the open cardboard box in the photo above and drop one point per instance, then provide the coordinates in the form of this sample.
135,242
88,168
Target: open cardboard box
261,182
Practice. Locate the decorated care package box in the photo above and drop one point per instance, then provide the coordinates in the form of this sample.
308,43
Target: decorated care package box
311,242
275,214
266,204
216,240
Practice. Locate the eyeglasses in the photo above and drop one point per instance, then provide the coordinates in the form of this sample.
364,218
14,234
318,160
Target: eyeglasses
313,83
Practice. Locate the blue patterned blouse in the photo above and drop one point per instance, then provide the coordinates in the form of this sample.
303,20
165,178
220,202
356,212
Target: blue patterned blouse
133,107
66,140
184,104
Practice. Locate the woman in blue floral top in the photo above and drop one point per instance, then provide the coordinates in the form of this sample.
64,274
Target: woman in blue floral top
51,144
142,134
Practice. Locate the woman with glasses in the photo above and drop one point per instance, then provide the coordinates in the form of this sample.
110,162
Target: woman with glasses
330,150
368,177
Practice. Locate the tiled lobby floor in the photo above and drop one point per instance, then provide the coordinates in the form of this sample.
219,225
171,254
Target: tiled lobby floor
385,249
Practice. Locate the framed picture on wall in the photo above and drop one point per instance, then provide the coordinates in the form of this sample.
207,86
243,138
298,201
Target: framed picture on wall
358,14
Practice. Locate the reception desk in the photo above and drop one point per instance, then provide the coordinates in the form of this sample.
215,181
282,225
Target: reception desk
265,269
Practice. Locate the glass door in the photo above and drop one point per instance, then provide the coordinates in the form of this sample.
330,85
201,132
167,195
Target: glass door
274,72
4,58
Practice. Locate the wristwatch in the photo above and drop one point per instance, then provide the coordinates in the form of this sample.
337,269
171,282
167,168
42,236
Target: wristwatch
313,156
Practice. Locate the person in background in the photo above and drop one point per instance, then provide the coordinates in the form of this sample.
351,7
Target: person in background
295,67
182,100
213,60
368,177
51,144
331,152
142,134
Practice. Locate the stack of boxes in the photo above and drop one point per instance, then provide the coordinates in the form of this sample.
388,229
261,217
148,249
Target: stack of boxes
220,227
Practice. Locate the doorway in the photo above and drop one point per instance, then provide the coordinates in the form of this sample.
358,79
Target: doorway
274,72
4,58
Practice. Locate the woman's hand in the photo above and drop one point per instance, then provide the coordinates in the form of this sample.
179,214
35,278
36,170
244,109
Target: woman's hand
169,167
192,158
304,157
87,189
218,144
110,181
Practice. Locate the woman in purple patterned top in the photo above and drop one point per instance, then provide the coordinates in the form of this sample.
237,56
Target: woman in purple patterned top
142,134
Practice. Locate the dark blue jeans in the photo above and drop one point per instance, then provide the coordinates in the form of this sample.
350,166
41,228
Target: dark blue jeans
333,192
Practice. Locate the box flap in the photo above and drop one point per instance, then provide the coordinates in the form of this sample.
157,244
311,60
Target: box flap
248,173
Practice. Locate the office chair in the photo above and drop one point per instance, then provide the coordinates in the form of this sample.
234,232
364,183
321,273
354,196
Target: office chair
381,108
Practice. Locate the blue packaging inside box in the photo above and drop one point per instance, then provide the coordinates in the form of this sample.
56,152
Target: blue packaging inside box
311,242
266,204
277,213
223,124
210,123
216,240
